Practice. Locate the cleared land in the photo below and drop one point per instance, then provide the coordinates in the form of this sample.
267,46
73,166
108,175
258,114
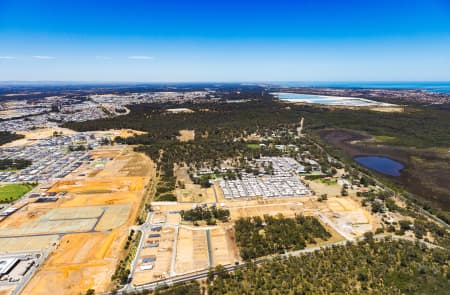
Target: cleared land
192,251
32,136
191,192
20,244
223,247
81,262
186,135
92,221
342,214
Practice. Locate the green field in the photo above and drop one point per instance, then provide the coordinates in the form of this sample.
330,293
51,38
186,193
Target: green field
12,192
253,146
384,139
328,182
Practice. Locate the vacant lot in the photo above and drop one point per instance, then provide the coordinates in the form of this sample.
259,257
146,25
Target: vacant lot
186,135
191,192
81,262
12,192
7,290
223,247
288,209
19,244
192,251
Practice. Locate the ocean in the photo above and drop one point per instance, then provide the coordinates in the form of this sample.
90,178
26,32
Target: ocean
439,87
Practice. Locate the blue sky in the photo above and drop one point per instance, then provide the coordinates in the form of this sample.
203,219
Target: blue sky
78,40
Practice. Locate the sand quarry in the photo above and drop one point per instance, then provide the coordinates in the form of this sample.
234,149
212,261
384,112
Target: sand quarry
87,226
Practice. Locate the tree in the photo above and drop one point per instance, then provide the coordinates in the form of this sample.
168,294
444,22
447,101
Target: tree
377,206
323,197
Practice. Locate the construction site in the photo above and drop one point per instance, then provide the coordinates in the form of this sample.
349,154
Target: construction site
81,231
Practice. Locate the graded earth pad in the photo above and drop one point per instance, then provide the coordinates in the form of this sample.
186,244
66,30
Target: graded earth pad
288,209
21,244
81,262
222,246
192,251
114,217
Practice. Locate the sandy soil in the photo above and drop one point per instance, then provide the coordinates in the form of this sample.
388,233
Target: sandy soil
321,188
6,290
173,218
19,244
223,247
81,262
192,251
255,208
397,109
33,135
186,135
191,192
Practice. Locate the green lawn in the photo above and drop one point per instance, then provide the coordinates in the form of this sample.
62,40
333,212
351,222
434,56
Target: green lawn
12,192
384,138
328,182
253,146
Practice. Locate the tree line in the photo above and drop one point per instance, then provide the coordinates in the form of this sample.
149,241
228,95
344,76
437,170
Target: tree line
366,267
210,215
258,236
6,136
14,164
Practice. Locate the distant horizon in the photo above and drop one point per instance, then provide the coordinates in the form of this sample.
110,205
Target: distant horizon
232,81
445,82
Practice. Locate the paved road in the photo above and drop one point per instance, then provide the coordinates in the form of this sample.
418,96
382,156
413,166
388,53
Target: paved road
143,229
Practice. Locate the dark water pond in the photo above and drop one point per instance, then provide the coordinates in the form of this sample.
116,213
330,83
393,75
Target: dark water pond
381,164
